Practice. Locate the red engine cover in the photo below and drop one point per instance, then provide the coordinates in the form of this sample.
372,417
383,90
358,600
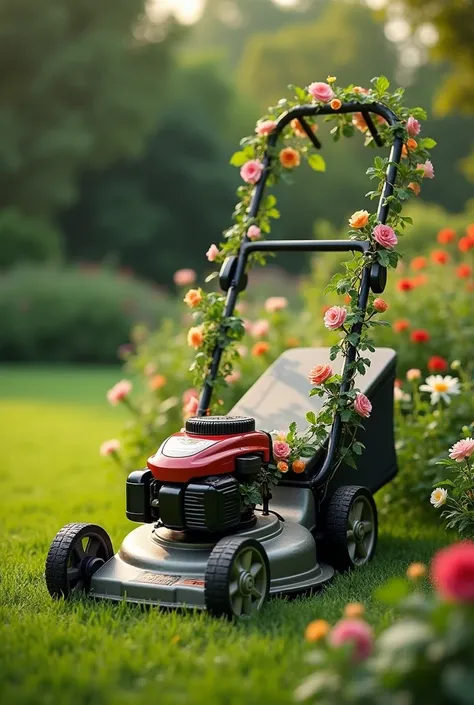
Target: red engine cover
184,456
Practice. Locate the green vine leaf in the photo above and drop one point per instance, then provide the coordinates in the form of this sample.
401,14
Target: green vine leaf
316,162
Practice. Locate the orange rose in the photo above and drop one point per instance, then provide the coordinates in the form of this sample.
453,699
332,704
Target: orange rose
418,263
359,219
415,571
195,337
416,188
412,144
157,382
354,610
335,103
292,342
193,298
298,466
298,130
260,348
317,630
282,466
290,158
359,122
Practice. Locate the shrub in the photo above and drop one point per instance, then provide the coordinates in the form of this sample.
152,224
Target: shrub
26,239
425,656
72,315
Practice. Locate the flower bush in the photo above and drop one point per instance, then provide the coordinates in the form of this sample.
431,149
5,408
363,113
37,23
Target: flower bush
429,414
424,656
457,492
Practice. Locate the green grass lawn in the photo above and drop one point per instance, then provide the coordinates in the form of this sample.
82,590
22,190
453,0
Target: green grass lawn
79,652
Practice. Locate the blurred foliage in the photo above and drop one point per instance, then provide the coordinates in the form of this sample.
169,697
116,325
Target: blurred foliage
72,315
454,22
161,211
81,85
27,239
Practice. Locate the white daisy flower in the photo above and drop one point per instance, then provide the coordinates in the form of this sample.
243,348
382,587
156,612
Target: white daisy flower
438,497
441,387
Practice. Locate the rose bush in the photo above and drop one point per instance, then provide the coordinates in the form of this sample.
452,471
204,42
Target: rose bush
424,656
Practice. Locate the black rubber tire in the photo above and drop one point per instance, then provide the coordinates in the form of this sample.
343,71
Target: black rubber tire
63,550
335,541
218,574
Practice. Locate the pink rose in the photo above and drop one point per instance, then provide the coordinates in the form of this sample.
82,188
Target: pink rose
184,277
334,317
265,127
275,303
119,392
385,236
189,394
281,450
251,171
320,374
254,232
413,126
462,449
212,253
427,168
109,447
452,572
321,91
260,328
362,405
355,632
190,409
233,377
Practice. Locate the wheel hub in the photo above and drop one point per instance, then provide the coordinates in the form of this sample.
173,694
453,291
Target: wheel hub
92,565
246,583
359,531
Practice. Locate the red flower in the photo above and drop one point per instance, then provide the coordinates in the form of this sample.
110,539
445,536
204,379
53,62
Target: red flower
419,280
405,285
440,256
398,383
437,364
401,325
418,263
465,243
470,232
380,305
420,335
446,235
452,572
463,271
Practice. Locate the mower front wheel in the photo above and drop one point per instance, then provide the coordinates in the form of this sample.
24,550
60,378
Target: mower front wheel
76,553
351,528
237,577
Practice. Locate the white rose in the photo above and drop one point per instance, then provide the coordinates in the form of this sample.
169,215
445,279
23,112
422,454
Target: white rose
438,497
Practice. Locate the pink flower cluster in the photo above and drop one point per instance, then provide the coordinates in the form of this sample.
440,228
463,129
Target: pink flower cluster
251,171
281,450
385,236
462,449
334,317
275,303
321,91
356,632
184,277
452,572
413,126
119,392
362,405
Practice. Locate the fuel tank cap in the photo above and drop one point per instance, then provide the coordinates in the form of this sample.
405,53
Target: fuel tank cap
219,425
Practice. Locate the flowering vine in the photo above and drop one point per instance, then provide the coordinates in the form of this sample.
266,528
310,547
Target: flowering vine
212,328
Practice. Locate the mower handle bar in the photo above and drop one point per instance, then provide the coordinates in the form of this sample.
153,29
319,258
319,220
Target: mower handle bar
300,112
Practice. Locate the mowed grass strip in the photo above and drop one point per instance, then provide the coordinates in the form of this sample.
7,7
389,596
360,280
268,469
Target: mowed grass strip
81,652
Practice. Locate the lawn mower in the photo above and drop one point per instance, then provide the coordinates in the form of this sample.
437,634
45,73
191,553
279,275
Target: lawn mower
196,546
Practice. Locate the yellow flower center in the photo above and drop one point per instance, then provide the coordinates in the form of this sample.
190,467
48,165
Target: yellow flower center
440,387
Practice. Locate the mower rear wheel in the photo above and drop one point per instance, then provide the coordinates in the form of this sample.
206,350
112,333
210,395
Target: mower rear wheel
350,533
76,553
237,577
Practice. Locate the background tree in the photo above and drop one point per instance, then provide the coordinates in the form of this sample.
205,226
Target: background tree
81,85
